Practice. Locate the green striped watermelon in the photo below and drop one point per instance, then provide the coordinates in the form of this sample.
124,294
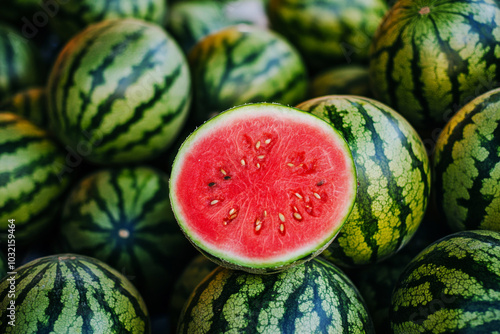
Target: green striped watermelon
315,297
393,178
376,281
31,104
70,17
452,286
190,21
68,293
467,166
33,177
123,217
3,266
120,89
430,57
262,187
192,275
345,80
328,32
18,62
242,64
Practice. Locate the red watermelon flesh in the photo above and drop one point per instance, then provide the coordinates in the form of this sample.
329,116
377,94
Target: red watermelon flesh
263,186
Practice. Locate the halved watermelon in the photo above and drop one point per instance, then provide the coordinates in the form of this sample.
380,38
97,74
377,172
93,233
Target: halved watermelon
263,187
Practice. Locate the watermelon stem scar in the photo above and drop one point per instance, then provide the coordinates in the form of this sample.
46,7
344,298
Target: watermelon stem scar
262,187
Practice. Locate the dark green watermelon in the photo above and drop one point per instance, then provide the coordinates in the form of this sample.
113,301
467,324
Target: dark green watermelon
430,57
19,62
393,178
242,64
123,217
119,92
34,174
315,297
467,166
452,286
68,293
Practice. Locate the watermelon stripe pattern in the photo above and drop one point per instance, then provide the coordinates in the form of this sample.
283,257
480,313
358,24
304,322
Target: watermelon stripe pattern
72,16
140,80
32,177
467,166
430,58
328,32
18,63
123,217
31,104
73,294
393,180
244,64
452,286
190,21
315,297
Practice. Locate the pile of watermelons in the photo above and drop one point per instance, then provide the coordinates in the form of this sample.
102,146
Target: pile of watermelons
249,166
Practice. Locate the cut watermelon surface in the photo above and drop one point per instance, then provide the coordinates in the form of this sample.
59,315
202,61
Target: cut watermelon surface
262,187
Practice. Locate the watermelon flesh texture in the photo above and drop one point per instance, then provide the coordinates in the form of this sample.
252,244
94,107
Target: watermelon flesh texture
262,187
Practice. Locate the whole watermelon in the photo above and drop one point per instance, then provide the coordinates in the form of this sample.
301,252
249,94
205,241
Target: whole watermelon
67,18
393,178
18,62
328,32
242,64
467,166
452,286
34,174
123,217
68,293
315,297
119,92
430,57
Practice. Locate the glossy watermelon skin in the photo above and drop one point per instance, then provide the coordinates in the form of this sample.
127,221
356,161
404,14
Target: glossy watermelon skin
69,293
393,178
467,165
122,216
19,62
33,177
429,58
119,92
31,104
315,297
328,33
452,286
243,64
